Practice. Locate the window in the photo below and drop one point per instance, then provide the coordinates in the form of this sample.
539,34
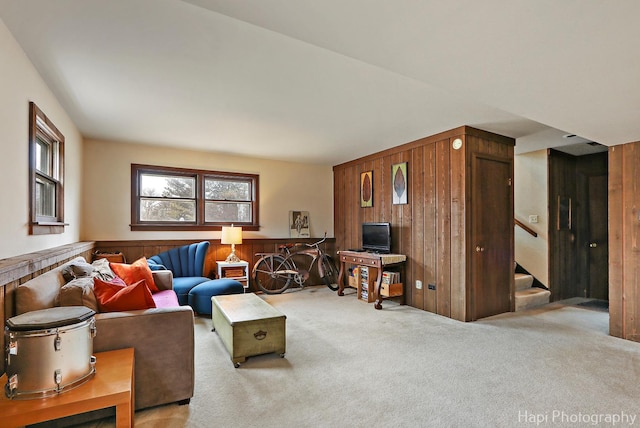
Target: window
46,171
165,198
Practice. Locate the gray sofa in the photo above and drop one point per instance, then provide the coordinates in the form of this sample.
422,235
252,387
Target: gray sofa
163,338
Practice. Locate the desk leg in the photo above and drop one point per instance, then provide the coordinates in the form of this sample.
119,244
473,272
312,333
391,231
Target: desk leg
341,279
378,303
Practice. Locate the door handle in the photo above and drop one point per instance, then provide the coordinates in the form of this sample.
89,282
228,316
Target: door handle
593,244
479,249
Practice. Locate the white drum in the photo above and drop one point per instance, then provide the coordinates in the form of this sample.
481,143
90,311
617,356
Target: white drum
49,351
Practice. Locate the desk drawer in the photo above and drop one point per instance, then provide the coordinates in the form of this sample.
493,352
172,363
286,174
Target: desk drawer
391,290
360,261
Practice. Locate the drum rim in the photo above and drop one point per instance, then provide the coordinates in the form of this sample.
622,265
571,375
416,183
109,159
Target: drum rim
74,315
15,333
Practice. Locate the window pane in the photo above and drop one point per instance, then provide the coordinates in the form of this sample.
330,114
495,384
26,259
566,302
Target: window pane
43,153
227,190
228,212
45,197
167,210
166,186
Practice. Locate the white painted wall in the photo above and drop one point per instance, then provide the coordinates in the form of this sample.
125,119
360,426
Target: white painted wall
531,198
19,84
284,186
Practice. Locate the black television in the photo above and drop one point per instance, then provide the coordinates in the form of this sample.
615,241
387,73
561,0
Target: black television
376,237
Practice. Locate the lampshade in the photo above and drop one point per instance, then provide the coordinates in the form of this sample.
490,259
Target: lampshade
231,235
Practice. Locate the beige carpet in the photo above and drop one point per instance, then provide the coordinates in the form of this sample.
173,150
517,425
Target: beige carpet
348,365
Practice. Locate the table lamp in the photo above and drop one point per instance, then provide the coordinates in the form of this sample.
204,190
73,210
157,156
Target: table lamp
231,235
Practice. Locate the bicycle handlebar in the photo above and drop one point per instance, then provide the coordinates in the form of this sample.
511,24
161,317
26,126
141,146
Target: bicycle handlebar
315,244
301,244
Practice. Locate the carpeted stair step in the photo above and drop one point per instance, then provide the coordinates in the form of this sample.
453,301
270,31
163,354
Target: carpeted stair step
531,297
523,281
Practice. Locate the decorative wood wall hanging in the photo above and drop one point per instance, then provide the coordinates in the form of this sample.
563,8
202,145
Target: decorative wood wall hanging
400,185
366,189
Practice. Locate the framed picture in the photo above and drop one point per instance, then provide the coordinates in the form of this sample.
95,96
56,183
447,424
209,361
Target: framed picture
366,189
400,185
299,224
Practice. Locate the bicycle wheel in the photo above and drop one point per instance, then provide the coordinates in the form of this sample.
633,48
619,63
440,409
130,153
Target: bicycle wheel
330,277
271,274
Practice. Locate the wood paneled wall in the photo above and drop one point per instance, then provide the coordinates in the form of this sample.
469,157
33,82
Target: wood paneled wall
624,241
431,229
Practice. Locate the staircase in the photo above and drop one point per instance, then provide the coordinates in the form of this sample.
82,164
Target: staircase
528,297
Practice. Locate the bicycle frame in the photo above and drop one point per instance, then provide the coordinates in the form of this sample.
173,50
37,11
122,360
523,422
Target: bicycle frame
288,266
312,250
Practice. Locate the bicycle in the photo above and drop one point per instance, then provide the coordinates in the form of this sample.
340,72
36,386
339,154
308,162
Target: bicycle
275,272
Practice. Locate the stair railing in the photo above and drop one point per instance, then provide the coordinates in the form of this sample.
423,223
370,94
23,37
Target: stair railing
525,228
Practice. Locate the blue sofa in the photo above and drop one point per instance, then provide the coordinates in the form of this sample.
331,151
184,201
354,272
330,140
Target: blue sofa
192,288
187,265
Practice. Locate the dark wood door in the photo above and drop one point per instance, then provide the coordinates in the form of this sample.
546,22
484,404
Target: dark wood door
591,226
491,237
598,238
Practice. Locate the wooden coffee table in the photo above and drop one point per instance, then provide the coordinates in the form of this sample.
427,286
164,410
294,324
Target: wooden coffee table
112,385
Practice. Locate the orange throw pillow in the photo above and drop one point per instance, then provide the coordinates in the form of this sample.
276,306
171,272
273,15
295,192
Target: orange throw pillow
113,297
134,272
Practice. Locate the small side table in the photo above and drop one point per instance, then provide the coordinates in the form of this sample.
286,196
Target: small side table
235,270
112,385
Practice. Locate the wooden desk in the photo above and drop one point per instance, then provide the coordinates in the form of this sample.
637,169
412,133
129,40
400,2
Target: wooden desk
368,259
112,385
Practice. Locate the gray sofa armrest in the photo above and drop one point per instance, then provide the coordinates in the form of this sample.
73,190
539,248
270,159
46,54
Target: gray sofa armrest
163,339
163,279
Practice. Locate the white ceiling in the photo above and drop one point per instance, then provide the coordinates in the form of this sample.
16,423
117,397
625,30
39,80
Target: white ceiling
329,81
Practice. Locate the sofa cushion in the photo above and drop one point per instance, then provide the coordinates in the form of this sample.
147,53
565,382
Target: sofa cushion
200,296
183,285
135,272
78,292
185,261
165,299
42,291
114,297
